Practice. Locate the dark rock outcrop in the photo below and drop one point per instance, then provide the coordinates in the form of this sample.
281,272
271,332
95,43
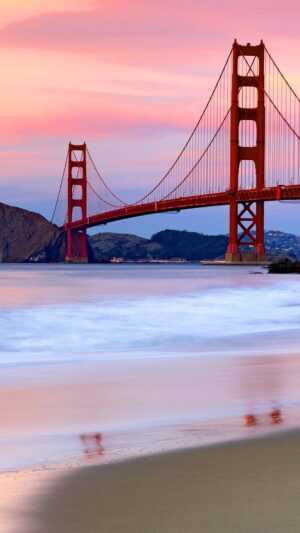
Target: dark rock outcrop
27,236
284,266
52,251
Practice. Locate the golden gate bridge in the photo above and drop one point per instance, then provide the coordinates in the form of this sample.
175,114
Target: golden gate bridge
243,151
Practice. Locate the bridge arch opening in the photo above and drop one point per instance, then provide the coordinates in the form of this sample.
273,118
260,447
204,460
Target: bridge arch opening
247,133
247,175
77,213
248,98
77,192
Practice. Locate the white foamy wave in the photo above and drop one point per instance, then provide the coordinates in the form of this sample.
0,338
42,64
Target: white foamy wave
207,319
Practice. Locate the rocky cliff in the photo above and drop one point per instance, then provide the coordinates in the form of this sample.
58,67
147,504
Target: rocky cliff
27,236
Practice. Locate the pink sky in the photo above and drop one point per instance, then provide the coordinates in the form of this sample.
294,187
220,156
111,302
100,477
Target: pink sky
130,78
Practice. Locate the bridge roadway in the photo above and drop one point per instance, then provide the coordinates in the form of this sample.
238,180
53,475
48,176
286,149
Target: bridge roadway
268,194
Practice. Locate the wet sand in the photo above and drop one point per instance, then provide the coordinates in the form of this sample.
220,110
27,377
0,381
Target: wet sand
250,486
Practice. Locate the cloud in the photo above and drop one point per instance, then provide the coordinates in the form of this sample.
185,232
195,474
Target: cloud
111,120
135,32
140,31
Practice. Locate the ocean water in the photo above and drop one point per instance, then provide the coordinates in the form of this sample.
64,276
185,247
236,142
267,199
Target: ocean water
150,357
66,313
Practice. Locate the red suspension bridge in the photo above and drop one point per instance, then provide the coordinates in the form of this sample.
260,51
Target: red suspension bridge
244,151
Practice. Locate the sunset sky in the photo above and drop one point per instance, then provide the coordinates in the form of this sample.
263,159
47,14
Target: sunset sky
130,78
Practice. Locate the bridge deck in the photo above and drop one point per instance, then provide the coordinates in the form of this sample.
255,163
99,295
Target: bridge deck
269,194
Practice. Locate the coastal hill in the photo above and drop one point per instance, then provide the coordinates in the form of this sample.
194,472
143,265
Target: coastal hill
26,236
165,245
183,245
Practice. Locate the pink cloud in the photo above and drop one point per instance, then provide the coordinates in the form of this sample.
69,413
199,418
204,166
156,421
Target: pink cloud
112,118
114,32
149,31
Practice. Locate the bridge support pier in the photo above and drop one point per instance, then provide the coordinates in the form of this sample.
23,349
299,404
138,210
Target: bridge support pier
246,234
246,226
76,240
77,251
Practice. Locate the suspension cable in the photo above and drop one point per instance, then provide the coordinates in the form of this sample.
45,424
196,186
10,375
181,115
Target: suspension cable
100,197
191,135
59,190
282,116
140,200
209,144
103,181
282,75
277,109
201,157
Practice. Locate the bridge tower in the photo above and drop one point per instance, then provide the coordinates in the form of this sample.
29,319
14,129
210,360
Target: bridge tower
76,244
246,226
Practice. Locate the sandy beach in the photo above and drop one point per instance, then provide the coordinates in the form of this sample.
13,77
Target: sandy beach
93,423
138,479
248,486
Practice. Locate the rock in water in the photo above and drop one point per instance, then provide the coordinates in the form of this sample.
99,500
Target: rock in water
284,266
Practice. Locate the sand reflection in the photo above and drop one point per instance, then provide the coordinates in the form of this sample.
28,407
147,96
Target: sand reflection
92,444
